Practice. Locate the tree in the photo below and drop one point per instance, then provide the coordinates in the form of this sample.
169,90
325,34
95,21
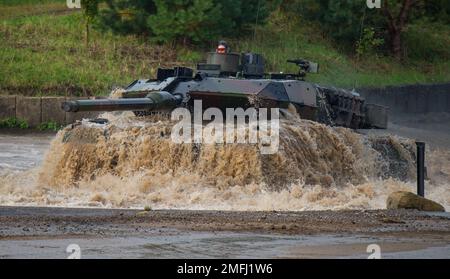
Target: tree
185,20
90,11
434,10
346,20
397,17
127,16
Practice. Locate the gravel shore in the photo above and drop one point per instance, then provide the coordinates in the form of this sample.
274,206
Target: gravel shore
16,222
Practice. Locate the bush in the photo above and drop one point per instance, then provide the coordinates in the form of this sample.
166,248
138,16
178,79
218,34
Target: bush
189,56
13,122
49,126
344,21
127,17
348,21
368,43
185,20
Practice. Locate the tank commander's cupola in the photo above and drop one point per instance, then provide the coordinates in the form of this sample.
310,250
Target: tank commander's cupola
224,63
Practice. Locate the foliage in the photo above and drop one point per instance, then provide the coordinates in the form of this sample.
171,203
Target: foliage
283,39
127,17
13,122
186,21
40,54
368,43
346,20
189,56
90,11
49,126
433,10
428,41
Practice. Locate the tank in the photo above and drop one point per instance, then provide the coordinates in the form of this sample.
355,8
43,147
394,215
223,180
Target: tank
232,80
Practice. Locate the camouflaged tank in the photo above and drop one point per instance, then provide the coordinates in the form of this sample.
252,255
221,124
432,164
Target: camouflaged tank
232,80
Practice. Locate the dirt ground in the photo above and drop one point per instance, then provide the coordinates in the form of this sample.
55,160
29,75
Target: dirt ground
19,222
31,232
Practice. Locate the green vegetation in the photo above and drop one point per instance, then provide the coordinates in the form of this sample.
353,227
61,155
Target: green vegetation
285,37
183,21
49,126
20,8
126,17
46,55
13,122
42,50
27,2
90,12
347,21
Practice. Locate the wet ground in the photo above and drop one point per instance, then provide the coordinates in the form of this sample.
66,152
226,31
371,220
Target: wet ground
104,233
33,232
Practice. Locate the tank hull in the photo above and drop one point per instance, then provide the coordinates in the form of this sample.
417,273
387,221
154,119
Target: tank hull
331,106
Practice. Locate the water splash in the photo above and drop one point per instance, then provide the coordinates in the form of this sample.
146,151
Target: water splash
133,163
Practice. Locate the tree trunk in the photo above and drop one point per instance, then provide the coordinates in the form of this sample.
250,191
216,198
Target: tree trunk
396,25
87,34
396,44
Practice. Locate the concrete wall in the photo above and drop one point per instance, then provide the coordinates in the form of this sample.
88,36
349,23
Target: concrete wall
37,110
410,98
400,99
7,106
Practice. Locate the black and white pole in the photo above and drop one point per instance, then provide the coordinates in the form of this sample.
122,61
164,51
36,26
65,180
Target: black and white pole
420,169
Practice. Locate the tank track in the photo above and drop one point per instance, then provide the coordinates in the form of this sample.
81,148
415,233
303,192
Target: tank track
338,107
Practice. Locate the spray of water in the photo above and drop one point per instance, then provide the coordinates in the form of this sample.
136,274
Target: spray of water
132,162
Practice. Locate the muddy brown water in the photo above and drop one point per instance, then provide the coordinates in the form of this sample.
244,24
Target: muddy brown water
132,163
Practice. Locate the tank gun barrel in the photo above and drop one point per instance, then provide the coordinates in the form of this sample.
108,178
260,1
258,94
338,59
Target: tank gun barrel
155,101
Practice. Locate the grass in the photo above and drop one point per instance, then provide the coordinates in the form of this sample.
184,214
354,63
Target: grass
19,8
42,52
45,54
28,2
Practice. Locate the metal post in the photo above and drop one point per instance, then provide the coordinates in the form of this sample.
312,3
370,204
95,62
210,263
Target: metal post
420,169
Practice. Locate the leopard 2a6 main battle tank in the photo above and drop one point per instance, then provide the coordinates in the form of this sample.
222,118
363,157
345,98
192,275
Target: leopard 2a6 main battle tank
232,80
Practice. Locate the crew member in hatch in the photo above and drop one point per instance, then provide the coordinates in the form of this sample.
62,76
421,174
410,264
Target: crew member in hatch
222,48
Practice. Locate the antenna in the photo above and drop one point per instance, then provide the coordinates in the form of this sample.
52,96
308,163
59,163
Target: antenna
361,31
256,23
